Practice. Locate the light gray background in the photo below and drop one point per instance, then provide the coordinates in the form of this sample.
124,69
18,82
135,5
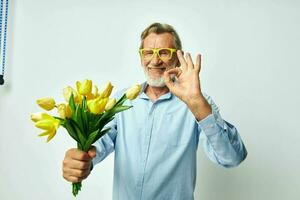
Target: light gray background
250,67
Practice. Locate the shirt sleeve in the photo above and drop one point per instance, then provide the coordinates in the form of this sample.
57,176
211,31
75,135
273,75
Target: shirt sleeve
106,144
220,139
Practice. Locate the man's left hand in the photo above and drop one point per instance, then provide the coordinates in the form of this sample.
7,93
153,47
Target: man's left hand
187,86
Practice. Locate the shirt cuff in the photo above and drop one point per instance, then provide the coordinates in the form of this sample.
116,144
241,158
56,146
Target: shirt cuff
211,124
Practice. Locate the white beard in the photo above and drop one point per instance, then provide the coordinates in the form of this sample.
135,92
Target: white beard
157,82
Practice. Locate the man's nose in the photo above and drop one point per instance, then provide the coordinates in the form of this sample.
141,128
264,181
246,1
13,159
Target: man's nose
156,60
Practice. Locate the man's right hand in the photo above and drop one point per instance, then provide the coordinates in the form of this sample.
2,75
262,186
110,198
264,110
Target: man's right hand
77,164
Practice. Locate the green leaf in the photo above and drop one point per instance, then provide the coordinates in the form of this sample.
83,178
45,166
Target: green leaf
72,103
84,117
78,118
108,120
84,103
85,121
101,134
100,120
120,109
61,121
91,126
93,137
79,134
90,139
114,111
92,121
105,121
121,100
79,146
70,130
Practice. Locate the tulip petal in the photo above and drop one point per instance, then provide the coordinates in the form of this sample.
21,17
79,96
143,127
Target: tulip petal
106,91
110,104
46,103
44,133
45,124
85,87
36,117
51,135
133,92
64,111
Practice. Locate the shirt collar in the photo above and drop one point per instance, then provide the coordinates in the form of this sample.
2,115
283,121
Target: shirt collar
143,95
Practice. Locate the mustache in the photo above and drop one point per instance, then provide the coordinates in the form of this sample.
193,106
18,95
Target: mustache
158,67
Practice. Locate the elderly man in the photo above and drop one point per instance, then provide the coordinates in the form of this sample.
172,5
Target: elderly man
155,142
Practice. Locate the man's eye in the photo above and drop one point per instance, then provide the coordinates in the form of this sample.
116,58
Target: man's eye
148,52
164,52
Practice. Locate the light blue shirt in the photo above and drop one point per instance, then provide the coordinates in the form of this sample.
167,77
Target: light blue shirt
155,146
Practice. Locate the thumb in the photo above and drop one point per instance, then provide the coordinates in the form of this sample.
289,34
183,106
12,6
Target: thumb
92,151
168,77
168,80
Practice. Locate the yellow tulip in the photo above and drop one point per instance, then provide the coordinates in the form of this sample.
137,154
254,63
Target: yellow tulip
85,87
97,106
110,104
49,124
106,91
67,94
38,116
64,111
94,94
133,92
46,103
50,133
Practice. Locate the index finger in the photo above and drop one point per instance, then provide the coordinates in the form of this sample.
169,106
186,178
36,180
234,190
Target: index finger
78,155
181,60
198,62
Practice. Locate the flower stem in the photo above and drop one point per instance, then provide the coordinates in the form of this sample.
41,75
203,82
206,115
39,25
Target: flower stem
76,187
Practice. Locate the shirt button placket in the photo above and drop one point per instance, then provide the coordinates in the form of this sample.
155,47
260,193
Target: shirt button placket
147,142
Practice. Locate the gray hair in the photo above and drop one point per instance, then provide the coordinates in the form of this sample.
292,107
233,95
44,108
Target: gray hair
159,28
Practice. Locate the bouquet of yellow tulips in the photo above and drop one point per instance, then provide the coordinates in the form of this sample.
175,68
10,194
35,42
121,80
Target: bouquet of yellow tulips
84,114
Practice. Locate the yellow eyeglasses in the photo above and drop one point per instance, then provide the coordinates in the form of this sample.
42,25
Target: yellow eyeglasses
163,53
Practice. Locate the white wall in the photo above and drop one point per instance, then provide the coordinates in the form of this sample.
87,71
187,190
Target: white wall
250,67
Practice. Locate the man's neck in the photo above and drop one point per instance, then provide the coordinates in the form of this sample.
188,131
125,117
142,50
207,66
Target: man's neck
155,92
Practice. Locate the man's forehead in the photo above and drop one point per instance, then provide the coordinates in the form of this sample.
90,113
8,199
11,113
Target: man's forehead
161,40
